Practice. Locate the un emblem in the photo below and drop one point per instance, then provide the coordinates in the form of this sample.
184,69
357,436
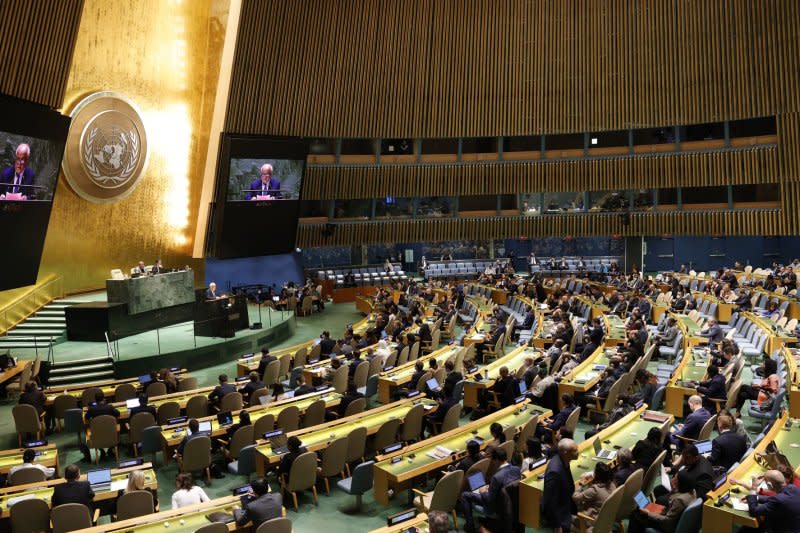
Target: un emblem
106,150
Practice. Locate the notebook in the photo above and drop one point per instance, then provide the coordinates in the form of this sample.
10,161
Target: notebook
644,503
476,481
651,416
603,453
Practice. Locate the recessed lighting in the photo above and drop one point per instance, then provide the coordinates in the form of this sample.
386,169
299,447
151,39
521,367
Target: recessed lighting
594,140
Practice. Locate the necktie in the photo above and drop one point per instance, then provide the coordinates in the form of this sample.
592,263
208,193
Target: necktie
16,182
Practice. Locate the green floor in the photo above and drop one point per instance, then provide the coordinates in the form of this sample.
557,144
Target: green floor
324,517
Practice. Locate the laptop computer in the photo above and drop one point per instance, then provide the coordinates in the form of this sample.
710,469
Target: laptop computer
133,402
476,481
602,453
204,427
225,418
643,503
523,387
244,489
99,480
433,384
145,379
703,446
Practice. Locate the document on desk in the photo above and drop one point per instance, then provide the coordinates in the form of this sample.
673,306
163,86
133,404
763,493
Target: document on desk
738,504
440,452
118,485
665,479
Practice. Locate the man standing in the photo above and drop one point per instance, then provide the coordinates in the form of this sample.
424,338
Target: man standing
488,496
19,175
265,185
559,487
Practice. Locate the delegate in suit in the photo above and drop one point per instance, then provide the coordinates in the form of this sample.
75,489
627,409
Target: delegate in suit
18,174
265,185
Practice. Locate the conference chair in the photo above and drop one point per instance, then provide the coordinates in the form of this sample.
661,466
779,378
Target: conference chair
231,402
255,397
187,384
135,503
289,419
276,525
356,447
19,385
300,357
272,373
413,353
356,406
124,391
26,475
103,434
242,437
412,424
658,398
339,381
156,388
73,423
375,367
527,431
30,516
443,497
387,434
652,472
357,485
137,424
246,463
151,442
197,406
263,424
632,487
690,520
450,420
285,368
88,396
60,405
767,416
315,414
302,476
423,381
403,357
72,516
606,516
361,374
27,421
292,382
197,456
705,432
391,360
481,466
166,411
332,463
213,527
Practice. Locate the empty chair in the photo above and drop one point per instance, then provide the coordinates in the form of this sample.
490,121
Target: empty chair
289,419
61,404
272,373
124,391
30,516
302,476
360,482
450,420
156,388
276,525
166,411
135,503
70,517
197,406
138,422
197,456
412,425
27,421
356,446
23,476
443,497
88,395
263,424
187,383
151,441
231,402
315,414
356,406
339,381
246,463
361,375
387,434
103,435
332,463
255,397
241,438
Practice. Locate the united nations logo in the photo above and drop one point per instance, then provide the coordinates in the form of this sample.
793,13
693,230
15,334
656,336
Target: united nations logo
106,150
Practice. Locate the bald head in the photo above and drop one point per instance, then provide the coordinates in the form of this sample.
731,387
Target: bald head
266,172
567,449
775,479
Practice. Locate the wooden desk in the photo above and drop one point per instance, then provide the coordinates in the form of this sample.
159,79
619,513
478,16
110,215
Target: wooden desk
489,373
615,331
181,397
317,437
724,309
399,376
725,517
693,367
776,335
44,490
791,356
584,376
171,439
690,329
182,520
48,457
400,475
10,373
108,387
420,522
624,433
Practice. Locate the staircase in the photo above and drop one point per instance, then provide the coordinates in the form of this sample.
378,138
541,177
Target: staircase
37,330
80,371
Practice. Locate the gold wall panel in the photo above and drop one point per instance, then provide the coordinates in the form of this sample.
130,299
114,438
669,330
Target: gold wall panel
752,165
36,42
164,55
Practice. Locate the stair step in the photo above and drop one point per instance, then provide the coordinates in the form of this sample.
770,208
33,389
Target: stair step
66,301
45,311
28,325
80,369
84,361
37,332
55,319
83,378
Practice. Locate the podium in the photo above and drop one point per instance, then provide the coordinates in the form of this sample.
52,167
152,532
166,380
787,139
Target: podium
221,317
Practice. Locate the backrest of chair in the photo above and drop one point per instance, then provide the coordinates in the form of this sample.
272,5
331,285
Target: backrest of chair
135,503
333,457
104,431
286,365
231,402
88,395
26,418
387,433
213,527
374,367
450,420
525,433
658,398
403,357
733,393
263,424
412,424
315,352
243,436
362,478
339,381
124,391
247,460
361,374
303,473
608,511
315,414
256,395
413,353
422,383
187,383
276,525
708,427
138,422
197,406
447,492
30,516
391,360
26,475
300,357
62,403
652,470
156,388
356,406
356,444
166,411
632,486
689,522
509,447
151,439
272,373
197,454
572,420
289,419
69,517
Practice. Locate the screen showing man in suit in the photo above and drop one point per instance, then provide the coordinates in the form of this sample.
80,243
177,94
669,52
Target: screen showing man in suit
29,167
265,179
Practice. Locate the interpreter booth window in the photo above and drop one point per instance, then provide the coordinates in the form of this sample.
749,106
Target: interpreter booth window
643,199
667,199
479,145
314,208
753,127
702,132
352,209
393,207
530,204
704,197
648,136
522,144
508,205
609,139
435,206
358,147
322,146
477,205
608,201
755,196
563,202
440,146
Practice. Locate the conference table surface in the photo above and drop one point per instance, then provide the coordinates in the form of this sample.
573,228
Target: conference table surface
401,375
725,517
691,329
182,520
622,434
182,398
587,374
10,373
108,387
491,372
423,457
171,439
692,369
615,330
318,437
44,490
48,456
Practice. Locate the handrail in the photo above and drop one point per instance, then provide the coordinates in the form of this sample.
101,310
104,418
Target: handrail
33,299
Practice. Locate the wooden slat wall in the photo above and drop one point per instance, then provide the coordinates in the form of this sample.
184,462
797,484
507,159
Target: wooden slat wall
425,68
753,165
37,38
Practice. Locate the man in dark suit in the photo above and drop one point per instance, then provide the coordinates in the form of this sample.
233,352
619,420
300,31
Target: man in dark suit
253,385
714,333
143,407
192,433
33,396
781,512
699,470
19,174
211,293
419,371
488,497
100,407
505,388
499,330
303,387
713,387
265,185
265,506
266,359
451,378
73,491
729,446
326,344
559,420
445,401
692,424
295,450
559,486
221,390
157,267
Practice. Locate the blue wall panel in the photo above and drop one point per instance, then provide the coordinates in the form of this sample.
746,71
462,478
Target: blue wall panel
268,269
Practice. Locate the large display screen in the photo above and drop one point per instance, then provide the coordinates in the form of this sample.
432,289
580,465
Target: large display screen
32,139
259,184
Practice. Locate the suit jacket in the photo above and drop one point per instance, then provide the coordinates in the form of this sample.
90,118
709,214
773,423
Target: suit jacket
262,364
561,417
714,334
8,178
501,478
100,409
73,492
35,398
702,474
142,409
727,449
272,187
251,387
220,391
305,388
713,388
326,346
211,295
669,335
678,502
261,509
451,379
780,512
644,453
694,423
287,459
557,495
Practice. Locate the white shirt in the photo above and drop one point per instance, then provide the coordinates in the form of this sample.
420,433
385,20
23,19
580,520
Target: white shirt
48,472
193,496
